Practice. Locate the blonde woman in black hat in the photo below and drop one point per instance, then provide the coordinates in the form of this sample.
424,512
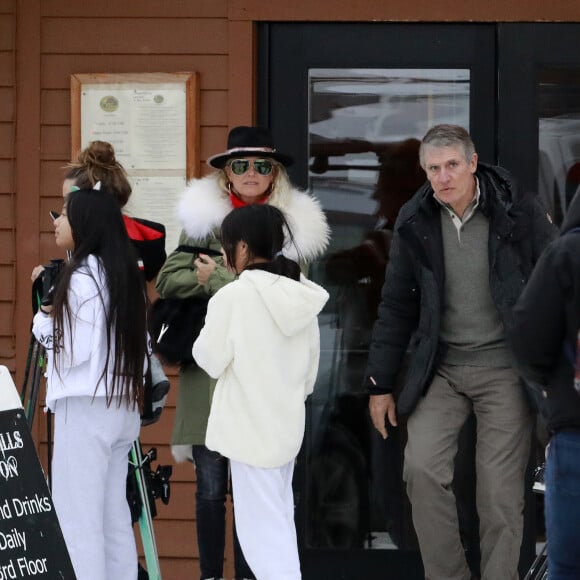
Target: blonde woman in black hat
250,171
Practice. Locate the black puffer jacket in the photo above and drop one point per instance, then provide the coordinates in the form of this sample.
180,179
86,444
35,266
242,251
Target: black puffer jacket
546,323
412,298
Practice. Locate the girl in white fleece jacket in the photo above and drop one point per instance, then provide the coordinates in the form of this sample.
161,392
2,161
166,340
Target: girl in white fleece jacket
261,341
96,340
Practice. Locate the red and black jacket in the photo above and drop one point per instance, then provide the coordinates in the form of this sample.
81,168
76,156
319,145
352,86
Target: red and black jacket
149,240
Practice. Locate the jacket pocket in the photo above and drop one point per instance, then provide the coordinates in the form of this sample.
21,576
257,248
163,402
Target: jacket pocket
423,352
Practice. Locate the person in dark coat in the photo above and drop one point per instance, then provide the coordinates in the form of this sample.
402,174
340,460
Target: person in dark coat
545,337
462,251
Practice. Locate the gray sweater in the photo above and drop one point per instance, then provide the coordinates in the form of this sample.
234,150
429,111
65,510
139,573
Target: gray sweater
471,326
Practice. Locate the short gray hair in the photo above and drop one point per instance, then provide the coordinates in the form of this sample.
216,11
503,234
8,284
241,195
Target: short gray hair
444,135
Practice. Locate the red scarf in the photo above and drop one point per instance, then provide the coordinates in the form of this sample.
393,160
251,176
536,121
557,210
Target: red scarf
238,202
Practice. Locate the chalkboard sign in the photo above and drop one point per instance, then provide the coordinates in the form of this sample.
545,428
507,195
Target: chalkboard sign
31,541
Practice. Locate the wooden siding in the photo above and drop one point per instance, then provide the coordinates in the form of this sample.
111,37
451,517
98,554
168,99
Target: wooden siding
7,184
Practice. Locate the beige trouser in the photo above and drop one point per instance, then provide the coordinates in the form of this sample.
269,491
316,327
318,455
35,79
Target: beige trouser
504,426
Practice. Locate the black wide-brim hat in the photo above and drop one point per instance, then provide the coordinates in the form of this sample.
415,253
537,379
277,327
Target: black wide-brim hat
249,142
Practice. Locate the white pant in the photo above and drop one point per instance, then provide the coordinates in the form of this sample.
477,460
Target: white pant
89,466
264,511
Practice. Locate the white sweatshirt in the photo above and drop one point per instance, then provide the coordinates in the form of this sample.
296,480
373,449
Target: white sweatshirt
261,340
79,370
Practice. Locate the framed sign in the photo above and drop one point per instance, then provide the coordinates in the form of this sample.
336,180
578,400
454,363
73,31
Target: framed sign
152,121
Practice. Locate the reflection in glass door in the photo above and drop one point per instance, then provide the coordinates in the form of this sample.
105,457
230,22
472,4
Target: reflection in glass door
364,132
558,138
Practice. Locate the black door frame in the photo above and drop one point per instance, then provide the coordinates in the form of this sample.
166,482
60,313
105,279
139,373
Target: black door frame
523,50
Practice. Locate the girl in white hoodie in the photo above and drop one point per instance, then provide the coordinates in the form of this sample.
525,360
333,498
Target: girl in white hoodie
96,340
261,341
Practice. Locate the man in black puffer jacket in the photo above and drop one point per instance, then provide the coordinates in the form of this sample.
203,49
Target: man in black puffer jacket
544,337
463,249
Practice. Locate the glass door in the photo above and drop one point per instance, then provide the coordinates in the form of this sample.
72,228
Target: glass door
351,101
364,132
539,109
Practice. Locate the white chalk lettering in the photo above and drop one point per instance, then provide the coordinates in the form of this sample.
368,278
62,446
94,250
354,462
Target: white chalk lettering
7,571
12,539
31,506
5,512
8,467
31,567
9,441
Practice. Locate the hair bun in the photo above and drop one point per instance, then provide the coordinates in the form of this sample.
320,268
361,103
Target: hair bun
98,153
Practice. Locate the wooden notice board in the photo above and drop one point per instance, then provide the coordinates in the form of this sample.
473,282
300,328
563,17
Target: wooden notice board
152,121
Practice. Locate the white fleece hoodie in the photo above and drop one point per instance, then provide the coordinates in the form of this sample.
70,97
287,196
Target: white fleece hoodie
261,341
80,370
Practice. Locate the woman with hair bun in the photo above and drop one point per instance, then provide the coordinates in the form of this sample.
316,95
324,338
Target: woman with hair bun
98,163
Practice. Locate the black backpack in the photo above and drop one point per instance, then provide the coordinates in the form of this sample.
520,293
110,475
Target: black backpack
175,323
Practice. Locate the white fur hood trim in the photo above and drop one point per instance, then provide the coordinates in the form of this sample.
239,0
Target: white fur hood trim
203,206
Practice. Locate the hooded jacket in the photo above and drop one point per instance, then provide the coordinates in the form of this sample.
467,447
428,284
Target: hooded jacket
546,324
413,293
201,210
79,369
261,341
148,239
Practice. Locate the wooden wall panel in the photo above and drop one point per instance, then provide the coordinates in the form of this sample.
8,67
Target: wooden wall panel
7,6
47,247
6,140
7,183
7,100
6,214
146,8
55,107
213,140
51,176
6,31
7,69
6,321
6,247
7,286
7,352
7,180
56,69
55,142
133,36
213,107
402,10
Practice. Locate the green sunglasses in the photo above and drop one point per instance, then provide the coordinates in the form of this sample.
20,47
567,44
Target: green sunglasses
261,166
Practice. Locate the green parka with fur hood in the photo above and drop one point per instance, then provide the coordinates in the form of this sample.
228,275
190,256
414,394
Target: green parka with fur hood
201,210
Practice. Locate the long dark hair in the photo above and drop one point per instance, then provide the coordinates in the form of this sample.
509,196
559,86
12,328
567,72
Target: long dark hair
266,232
98,229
